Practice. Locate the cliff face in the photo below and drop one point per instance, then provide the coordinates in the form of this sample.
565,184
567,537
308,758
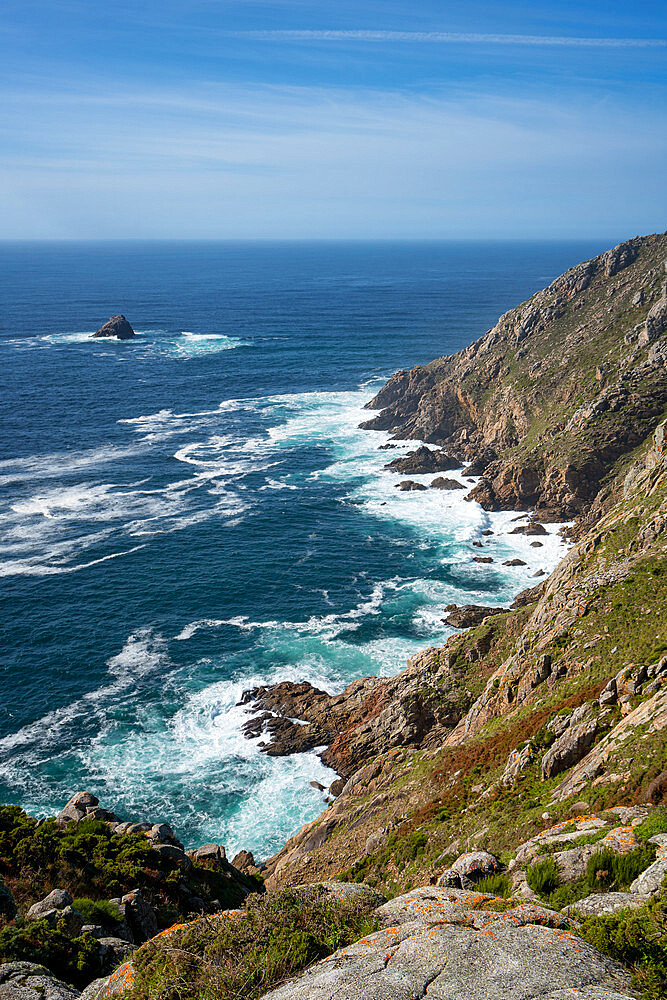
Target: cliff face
563,695
564,387
562,698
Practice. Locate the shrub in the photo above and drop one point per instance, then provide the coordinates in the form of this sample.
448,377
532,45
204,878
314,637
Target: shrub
600,869
566,895
92,862
606,869
637,939
76,960
495,885
100,911
542,877
656,823
411,847
276,937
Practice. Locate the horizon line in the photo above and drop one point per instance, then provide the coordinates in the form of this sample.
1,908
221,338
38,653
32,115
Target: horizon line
320,239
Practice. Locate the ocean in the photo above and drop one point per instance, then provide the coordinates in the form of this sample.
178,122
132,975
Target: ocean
196,512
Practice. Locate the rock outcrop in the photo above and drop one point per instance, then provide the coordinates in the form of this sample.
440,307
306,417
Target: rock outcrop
423,460
117,327
29,981
467,615
444,943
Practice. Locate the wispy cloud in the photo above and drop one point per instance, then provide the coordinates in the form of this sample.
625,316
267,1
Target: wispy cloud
220,160
454,37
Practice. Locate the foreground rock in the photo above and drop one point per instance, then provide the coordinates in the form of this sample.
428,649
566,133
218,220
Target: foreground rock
444,943
27,981
117,327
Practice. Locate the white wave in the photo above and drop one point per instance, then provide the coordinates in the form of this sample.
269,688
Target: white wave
58,464
324,627
193,345
186,344
277,484
47,533
19,567
202,746
144,654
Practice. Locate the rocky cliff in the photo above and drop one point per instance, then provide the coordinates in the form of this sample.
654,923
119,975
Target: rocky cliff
558,704
499,824
551,400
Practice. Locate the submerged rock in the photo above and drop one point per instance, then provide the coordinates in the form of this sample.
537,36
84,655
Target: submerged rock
409,485
117,327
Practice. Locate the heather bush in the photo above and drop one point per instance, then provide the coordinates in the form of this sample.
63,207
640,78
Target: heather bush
275,937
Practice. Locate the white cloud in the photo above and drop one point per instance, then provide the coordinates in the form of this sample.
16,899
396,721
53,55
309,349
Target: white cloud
453,37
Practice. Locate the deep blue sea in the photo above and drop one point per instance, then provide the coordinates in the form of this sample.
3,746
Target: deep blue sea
194,512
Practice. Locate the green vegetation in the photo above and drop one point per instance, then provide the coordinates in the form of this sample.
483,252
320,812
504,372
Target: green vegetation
232,957
542,877
100,911
637,939
75,960
495,885
94,864
656,823
606,871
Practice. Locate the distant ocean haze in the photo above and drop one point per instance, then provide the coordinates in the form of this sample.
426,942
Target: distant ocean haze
196,511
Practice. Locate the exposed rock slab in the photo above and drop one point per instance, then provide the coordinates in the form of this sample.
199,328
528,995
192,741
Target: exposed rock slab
28,981
602,904
650,881
444,944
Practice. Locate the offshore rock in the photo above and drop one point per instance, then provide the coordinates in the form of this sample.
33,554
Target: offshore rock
117,327
408,485
469,615
422,461
441,483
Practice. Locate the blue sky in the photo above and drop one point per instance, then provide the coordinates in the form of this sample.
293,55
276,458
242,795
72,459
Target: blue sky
296,119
